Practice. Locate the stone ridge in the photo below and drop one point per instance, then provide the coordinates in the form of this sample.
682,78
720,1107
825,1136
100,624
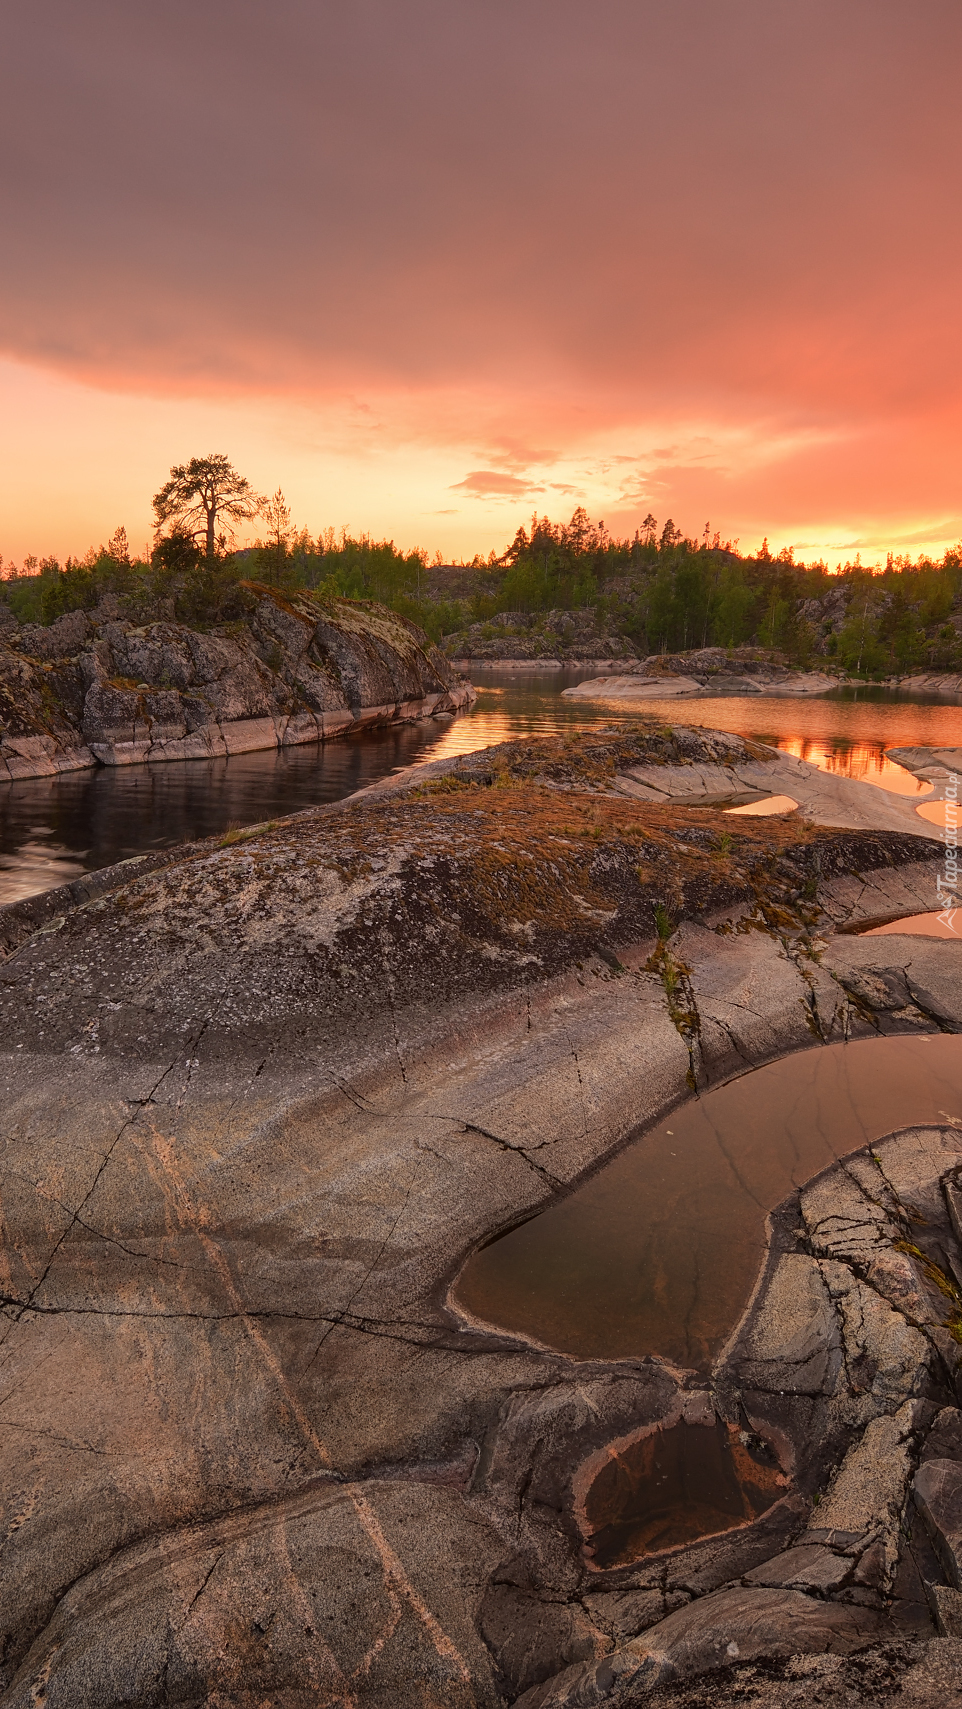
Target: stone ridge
95,689
260,1103
649,760
588,764
477,878
595,758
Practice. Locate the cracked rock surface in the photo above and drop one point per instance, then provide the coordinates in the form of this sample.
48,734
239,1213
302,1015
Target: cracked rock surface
260,1103
96,689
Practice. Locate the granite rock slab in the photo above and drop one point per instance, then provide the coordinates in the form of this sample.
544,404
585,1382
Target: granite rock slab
259,1104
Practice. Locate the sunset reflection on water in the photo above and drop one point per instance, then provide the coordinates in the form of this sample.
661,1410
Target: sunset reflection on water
51,829
862,761
844,733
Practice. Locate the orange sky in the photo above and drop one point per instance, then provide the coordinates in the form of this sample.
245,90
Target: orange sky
429,266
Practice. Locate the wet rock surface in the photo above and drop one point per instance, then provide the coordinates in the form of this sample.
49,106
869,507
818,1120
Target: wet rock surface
93,689
260,1103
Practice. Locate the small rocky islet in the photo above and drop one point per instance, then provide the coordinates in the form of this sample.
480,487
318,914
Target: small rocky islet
96,688
265,1095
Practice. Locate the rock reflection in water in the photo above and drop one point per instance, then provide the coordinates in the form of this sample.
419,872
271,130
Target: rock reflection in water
669,1487
658,1252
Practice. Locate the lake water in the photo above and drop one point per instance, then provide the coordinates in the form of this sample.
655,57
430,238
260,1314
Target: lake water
52,829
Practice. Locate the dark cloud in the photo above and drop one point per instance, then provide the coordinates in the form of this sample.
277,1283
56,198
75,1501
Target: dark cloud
677,197
535,222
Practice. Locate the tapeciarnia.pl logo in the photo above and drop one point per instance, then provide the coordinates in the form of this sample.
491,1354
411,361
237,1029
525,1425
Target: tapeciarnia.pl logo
948,891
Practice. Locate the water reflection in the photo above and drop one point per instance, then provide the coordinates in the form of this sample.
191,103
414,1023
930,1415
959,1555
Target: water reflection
53,828
943,813
864,761
764,809
659,1251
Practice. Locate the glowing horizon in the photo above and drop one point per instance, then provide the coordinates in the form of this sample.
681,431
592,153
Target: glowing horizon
713,276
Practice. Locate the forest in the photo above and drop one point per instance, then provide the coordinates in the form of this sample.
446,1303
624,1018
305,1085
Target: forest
660,591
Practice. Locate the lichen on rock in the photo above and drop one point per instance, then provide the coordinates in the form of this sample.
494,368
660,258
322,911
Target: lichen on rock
262,1100
299,668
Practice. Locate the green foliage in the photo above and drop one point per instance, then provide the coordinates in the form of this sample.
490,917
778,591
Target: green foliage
74,589
25,594
659,589
858,646
354,568
664,924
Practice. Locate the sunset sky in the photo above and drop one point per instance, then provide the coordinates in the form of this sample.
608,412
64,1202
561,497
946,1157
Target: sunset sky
430,265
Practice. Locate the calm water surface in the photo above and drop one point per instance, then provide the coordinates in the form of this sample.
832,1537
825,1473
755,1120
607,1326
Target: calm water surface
672,1486
659,1251
53,829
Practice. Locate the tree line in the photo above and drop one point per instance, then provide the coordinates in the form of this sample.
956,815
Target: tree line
664,591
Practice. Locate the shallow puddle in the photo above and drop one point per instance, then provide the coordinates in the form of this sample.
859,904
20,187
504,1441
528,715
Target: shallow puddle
671,1486
761,809
943,812
946,924
658,1252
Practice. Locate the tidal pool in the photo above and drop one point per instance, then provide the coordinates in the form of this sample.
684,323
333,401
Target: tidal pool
659,1250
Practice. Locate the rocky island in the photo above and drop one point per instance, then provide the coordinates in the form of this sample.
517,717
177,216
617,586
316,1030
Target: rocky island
98,689
264,1098
709,673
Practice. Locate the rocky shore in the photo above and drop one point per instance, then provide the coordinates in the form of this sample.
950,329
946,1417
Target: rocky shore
262,1101
930,682
712,674
95,689
703,673
934,764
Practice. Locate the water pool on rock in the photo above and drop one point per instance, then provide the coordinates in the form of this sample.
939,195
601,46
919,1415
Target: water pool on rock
947,924
658,1252
668,1487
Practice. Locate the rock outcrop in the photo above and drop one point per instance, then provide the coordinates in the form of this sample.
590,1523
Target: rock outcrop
299,669
694,767
570,637
941,683
261,1101
936,764
711,674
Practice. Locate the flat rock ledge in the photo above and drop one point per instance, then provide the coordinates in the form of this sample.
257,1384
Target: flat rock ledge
670,685
936,764
259,1104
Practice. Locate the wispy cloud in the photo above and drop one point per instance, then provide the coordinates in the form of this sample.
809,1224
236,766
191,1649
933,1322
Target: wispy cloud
493,483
